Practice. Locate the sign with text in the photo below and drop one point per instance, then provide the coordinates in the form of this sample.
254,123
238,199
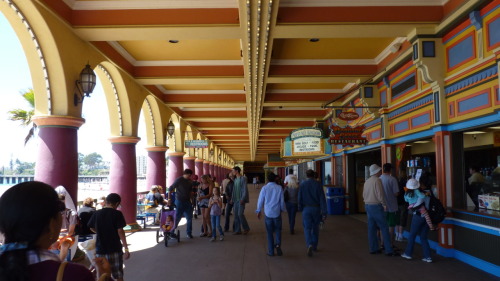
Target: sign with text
195,143
347,136
348,116
305,143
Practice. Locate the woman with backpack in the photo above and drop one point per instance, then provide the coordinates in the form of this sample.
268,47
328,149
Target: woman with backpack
419,222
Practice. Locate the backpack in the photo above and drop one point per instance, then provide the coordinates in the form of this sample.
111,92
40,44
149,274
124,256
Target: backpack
436,210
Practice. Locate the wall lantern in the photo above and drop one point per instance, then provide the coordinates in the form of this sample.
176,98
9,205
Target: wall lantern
85,86
170,128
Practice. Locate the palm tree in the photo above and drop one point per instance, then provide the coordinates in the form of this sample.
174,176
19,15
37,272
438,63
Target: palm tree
25,116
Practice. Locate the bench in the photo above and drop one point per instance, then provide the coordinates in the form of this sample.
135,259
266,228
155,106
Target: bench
144,218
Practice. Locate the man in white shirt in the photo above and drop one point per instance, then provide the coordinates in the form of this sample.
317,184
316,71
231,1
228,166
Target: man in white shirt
289,176
272,200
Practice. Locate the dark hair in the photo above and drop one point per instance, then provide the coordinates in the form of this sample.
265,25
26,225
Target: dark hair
188,172
310,173
387,167
30,207
227,176
237,169
271,177
425,180
113,198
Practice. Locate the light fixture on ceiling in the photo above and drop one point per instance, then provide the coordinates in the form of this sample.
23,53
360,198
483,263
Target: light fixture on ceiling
170,128
474,133
422,141
173,41
494,128
85,85
314,40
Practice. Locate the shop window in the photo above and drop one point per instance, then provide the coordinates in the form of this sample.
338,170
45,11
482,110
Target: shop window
428,49
327,172
339,179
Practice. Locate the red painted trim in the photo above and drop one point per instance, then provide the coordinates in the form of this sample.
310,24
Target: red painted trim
113,55
451,6
489,7
154,17
488,91
392,57
451,109
456,30
489,62
155,91
60,8
300,96
280,70
175,71
473,57
222,98
400,70
488,46
361,14
421,125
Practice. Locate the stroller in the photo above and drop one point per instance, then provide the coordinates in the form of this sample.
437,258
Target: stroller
167,228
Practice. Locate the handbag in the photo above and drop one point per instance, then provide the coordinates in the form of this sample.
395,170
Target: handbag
60,272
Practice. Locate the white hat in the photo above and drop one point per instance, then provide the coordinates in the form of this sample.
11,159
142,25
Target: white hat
412,184
374,169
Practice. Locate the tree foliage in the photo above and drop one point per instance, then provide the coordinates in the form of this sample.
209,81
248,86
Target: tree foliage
25,116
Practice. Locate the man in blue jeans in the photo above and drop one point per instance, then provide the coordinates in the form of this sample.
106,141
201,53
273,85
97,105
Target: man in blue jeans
239,199
272,200
312,202
183,186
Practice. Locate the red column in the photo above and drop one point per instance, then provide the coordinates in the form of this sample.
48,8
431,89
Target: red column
442,141
57,160
220,175
386,153
211,168
198,167
206,165
156,171
189,163
175,167
123,177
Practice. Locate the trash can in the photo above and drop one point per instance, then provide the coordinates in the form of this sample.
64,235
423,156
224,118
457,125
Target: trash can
335,200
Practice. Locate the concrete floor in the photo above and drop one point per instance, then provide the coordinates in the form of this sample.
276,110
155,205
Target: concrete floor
343,255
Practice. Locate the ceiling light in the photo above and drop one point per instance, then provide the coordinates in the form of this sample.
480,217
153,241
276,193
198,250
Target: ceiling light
494,128
173,41
474,133
314,40
422,141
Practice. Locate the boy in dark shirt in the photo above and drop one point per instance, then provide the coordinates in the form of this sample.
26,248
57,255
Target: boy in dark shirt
108,223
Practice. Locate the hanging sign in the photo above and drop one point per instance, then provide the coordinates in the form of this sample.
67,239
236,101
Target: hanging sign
348,116
305,142
347,136
195,143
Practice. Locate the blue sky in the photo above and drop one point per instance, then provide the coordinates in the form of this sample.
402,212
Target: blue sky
14,78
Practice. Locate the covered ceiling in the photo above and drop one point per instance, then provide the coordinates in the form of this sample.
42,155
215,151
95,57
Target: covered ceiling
245,73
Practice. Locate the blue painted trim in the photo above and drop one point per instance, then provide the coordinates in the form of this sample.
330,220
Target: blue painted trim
481,121
494,33
477,263
476,19
473,102
461,52
416,104
476,215
372,123
482,75
491,11
477,228
420,120
415,136
363,148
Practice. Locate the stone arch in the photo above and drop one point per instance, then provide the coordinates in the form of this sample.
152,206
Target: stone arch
188,135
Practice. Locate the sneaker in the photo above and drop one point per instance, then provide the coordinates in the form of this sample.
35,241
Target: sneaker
212,239
221,238
189,236
405,256
310,251
429,260
245,232
279,252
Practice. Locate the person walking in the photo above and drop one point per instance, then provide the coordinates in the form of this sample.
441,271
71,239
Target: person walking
228,190
312,202
205,191
375,205
239,199
108,224
291,201
183,186
391,192
419,224
272,200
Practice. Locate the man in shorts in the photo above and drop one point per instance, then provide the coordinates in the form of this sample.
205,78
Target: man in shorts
108,223
391,191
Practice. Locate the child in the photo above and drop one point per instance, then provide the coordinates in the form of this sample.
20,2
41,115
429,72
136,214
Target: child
415,199
215,205
169,223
